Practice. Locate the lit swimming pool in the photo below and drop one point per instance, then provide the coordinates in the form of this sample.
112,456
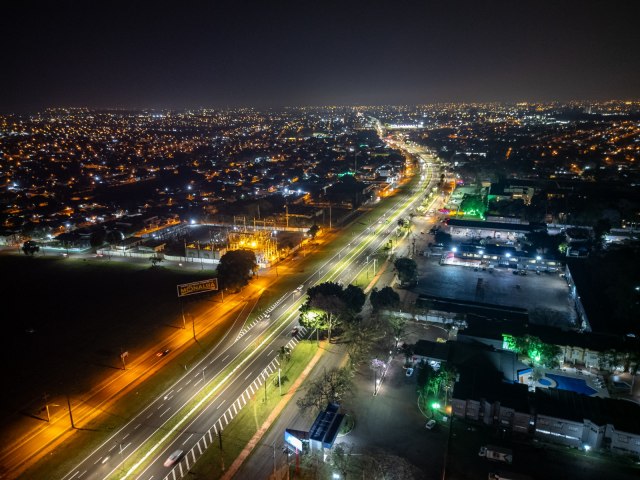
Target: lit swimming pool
578,385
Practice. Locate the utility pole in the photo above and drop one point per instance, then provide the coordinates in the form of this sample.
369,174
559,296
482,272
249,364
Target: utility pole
70,414
46,407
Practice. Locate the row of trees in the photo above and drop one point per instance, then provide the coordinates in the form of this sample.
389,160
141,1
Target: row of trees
538,352
334,310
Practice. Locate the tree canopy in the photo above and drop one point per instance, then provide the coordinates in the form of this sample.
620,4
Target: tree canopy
328,304
473,205
407,270
313,231
236,268
386,297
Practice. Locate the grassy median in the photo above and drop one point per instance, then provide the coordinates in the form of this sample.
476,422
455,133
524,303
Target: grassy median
236,435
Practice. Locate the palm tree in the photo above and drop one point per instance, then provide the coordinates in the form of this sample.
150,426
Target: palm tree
284,353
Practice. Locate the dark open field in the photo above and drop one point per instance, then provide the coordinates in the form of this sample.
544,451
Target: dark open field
65,321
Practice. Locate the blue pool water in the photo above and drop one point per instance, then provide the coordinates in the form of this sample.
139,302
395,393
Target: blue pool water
545,381
574,384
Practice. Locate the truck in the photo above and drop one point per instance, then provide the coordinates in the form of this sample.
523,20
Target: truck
499,454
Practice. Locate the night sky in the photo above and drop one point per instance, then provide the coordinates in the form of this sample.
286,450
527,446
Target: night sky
237,53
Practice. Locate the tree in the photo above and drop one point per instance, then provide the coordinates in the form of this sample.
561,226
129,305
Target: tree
386,298
397,327
473,205
236,267
329,303
313,231
284,353
97,238
407,270
330,387
354,298
443,238
359,338
30,248
341,458
600,228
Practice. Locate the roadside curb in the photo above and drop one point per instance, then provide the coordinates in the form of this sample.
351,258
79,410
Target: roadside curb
253,442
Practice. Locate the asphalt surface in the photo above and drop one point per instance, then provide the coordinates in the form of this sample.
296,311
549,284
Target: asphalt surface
254,348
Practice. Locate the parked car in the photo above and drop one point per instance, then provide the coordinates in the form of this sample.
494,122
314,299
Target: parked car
409,372
430,424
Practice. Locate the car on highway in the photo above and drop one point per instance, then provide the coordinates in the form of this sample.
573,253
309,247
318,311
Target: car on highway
430,424
163,352
299,288
173,458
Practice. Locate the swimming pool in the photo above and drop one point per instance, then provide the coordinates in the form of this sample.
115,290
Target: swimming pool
578,385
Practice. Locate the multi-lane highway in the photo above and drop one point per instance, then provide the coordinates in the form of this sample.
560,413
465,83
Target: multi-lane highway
199,405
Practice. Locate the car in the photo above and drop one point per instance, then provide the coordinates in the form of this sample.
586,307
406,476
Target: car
482,452
299,288
409,372
430,424
173,458
295,331
162,353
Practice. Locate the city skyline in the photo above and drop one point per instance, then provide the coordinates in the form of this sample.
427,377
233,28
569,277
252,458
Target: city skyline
245,54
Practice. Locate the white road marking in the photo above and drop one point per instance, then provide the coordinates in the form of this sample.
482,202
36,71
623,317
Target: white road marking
187,439
168,408
138,426
220,404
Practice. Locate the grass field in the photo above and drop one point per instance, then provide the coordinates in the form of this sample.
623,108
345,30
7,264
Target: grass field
72,318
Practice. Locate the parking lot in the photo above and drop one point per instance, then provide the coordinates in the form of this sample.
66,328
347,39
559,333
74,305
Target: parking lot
498,286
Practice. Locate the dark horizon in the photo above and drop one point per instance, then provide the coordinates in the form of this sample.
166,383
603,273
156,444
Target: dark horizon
159,56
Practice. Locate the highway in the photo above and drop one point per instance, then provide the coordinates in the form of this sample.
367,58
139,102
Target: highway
199,405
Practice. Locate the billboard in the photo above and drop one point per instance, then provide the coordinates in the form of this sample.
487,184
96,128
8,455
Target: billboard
198,287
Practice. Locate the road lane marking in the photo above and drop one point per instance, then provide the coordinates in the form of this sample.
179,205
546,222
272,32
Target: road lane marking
168,408
82,474
220,404
74,475
269,353
179,389
125,447
248,376
137,426
160,406
112,448
125,436
187,439
226,421
225,358
148,416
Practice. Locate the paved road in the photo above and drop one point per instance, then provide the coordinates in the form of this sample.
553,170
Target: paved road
253,349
